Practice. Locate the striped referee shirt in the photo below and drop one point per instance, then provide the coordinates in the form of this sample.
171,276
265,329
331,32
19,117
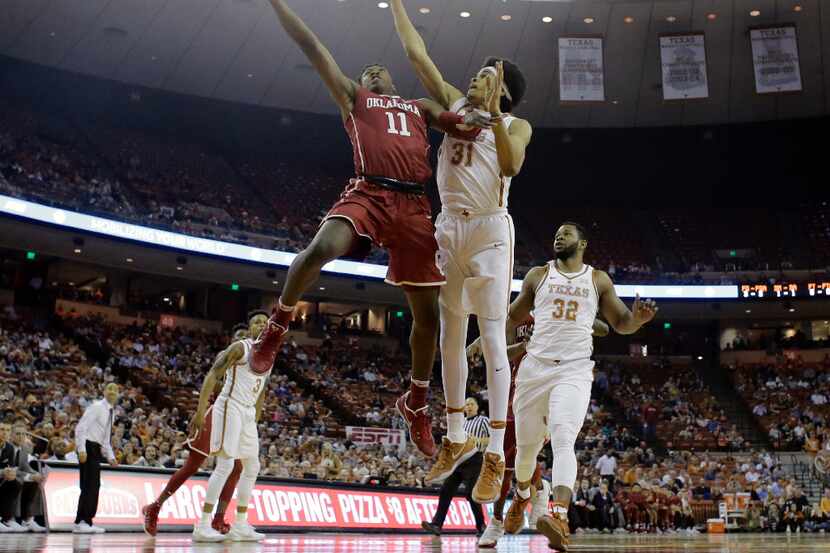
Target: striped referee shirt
478,427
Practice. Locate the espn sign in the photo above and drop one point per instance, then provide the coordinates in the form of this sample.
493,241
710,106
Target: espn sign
369,435
274,504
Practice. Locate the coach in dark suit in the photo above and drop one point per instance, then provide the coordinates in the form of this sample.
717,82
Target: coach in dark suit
31,478
9,485
477,427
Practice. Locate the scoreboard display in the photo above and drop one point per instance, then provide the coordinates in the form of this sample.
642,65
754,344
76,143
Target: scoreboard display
818,289
779,290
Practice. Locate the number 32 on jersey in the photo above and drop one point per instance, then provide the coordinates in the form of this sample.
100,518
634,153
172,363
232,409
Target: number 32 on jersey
568,310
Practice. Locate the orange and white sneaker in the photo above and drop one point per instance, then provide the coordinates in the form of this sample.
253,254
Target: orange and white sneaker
449,458
556,531
488,485
514,520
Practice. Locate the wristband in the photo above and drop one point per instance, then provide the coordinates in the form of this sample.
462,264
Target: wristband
448,122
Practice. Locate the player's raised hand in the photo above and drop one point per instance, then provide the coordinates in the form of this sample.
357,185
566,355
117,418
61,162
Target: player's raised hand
476,119
643,310
494,98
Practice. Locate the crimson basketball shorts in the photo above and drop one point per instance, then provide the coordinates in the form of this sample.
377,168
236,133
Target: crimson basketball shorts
399,222
200,443
510,430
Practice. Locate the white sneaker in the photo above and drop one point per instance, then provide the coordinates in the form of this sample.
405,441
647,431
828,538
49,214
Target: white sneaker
82,528
4,529
204,532
97,529
33,526
539,504
243,531
492,534
15,527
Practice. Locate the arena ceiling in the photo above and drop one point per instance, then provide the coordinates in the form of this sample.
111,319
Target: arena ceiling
235,50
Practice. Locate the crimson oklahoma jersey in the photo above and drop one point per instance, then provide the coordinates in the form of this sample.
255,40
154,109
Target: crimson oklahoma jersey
522,334
389,137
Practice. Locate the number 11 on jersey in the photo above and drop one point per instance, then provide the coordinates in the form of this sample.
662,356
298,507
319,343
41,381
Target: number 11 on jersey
404,131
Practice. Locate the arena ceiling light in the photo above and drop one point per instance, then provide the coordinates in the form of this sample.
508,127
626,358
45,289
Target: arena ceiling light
711,16
755,13
547,19
383,5
465,15
671,19
506,17
588,20
425,10
628,19
797,8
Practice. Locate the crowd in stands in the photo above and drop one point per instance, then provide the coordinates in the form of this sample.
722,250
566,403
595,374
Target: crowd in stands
775,341
789,397
46,379
663,400
261,201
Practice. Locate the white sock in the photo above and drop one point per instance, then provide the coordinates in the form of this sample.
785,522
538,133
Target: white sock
455,428
494,347
206,518
242,517
496,444
523,493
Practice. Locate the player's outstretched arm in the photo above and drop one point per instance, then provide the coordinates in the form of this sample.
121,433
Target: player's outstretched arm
228,357
621,319
466,126
416,50
341,88
511,141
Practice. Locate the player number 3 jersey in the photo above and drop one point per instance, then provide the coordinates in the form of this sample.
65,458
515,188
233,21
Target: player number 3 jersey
564,312
242,384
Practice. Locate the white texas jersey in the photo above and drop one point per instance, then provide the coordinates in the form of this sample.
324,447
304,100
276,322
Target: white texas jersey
242,383
564,310
469,176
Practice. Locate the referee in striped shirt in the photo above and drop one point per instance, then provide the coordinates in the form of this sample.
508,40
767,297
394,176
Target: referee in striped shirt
476,427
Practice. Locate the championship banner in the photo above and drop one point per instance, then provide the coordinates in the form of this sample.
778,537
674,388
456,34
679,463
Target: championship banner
775,57
368,435
683,59
277,505
581,69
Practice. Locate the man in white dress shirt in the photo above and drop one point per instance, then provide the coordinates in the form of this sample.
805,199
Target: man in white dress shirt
93,441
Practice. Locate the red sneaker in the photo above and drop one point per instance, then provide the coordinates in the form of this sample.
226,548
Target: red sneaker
151,518
267,345
420,426
220,525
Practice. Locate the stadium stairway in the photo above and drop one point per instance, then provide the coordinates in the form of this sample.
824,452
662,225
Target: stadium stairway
735,408
801,466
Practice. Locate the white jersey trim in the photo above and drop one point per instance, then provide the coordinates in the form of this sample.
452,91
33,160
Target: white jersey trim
359,147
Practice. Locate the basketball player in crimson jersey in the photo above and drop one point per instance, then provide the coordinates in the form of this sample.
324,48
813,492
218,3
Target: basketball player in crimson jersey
384,204
516,350
475,237
199,447
553,383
